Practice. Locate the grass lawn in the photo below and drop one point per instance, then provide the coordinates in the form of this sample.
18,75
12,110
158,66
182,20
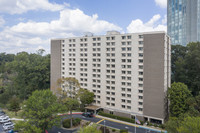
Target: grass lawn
12,114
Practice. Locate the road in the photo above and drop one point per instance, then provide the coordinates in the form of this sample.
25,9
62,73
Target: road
108,123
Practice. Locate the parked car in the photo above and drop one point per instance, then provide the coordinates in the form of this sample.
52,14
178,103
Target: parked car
8,126
87,114
2,113
4,119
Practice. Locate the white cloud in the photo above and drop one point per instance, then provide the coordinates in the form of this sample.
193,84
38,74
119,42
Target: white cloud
21,6
161,3
30,35
2,21
152,25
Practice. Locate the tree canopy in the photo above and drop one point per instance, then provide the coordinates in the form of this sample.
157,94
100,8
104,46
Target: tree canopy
178,94
40,110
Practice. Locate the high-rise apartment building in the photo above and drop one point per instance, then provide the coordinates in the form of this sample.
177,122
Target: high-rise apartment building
128,73
183,21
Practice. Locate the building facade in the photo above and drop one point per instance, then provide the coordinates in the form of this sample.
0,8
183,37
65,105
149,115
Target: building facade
128,73
183,21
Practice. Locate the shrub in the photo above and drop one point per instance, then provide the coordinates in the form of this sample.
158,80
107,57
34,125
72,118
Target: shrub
66,123
117,117
123,130
113,130
75,122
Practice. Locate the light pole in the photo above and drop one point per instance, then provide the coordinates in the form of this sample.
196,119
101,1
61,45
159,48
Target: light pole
104,126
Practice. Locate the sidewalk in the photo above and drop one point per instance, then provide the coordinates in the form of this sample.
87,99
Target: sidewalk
131,124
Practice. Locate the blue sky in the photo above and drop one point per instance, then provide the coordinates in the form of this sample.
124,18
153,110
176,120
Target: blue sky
28,25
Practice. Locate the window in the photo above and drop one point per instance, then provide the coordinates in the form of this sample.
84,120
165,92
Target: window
107,38
140,73
123,43
140,36
108,98
123,37
123,95
123,106
128,107
140,61
113,38
140,48
129,54
123,49
123,89
128,43
108,103
99,39
140,85
140,109
128,95
113,93
140,67
140,91
140,79
129,49
129,89
140,97
140,103
123,100
141,42
112,104
94,39
128,101
140,54
129,37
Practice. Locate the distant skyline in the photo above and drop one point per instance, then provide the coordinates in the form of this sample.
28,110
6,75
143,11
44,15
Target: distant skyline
28,25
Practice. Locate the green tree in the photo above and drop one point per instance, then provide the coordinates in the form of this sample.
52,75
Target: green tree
67,93
89,129
192,65
31,72
177,95
86,97
189,125
14,104
41,108
26,127
172,124
178,53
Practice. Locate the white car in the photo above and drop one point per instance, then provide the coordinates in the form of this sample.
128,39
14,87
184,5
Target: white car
4,119
8,126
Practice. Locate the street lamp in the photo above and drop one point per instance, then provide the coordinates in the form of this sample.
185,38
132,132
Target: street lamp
104,126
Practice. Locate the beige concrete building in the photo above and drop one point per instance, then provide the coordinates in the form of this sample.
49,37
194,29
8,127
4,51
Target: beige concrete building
128,73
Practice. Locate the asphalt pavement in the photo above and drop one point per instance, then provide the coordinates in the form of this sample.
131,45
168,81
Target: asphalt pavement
108,123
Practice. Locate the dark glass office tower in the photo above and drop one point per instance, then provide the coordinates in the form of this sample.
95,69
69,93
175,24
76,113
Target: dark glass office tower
183,21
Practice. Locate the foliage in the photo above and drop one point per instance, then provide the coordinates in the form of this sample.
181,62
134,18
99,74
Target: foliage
75,122
26,127
67,93
89,129
116,117
104,129
189,124
183,124
14,104
186,66
86,97
178,94
23,73
41,109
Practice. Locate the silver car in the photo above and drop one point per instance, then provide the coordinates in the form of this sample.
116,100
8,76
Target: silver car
8,126
4,119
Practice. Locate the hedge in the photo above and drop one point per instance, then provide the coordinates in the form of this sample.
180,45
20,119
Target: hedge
117,117
75,122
